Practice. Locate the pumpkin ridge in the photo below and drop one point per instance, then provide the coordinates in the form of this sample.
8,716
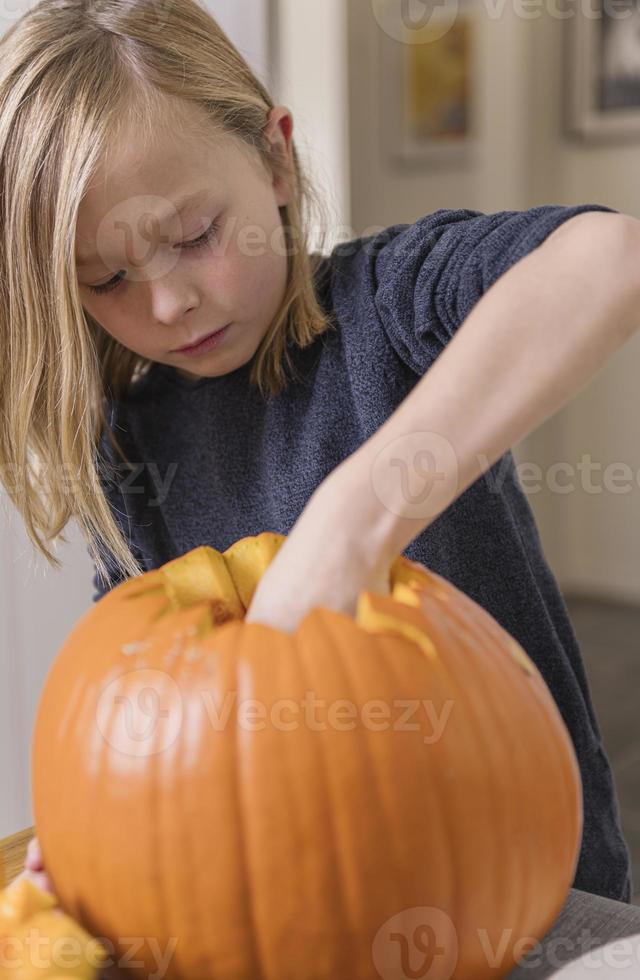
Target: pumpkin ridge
324,629
475,728
339,893
435,665
256,954
526,894
453,899
368,751
536,685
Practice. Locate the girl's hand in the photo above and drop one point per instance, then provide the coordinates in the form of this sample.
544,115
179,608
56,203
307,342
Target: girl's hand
34,870
34,867
333,552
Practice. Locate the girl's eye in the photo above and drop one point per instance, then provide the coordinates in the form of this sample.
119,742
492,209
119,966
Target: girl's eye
200,242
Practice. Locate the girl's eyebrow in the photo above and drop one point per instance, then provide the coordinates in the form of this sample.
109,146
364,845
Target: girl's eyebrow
181,207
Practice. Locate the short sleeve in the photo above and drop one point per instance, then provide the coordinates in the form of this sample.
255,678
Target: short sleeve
428,276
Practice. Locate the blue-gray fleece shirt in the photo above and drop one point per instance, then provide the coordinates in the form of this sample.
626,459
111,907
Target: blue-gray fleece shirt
213,461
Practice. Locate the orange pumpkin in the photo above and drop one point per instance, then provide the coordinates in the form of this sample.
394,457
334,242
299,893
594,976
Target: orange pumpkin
354,800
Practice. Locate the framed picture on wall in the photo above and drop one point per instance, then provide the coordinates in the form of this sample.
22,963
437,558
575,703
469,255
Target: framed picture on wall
603,65
428,79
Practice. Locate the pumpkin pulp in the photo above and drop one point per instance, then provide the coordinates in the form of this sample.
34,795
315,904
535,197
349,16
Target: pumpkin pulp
226,582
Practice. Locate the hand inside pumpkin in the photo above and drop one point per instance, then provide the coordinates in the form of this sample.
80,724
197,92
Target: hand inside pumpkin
332,554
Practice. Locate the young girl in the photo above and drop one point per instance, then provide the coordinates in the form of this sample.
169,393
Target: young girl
361,402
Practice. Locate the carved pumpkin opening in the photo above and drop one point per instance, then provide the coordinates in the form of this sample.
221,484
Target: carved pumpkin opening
227,580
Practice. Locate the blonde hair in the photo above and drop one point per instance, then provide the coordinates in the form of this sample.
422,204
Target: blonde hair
74,74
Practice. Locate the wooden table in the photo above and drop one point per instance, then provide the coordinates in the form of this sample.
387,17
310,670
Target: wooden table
13,851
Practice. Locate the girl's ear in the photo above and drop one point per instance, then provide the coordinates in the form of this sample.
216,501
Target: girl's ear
279,132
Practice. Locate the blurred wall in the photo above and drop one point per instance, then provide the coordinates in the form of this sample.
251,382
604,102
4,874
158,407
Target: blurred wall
311,79
523,158
594,532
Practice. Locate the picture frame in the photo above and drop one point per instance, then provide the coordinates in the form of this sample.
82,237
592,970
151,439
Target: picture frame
429,86
602,48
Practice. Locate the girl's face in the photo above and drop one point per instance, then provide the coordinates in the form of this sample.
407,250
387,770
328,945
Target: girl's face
158,276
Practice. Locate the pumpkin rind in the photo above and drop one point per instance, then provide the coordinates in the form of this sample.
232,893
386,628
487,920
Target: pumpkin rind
270,845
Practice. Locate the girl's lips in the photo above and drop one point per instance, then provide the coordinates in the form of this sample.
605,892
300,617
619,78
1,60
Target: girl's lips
206,344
